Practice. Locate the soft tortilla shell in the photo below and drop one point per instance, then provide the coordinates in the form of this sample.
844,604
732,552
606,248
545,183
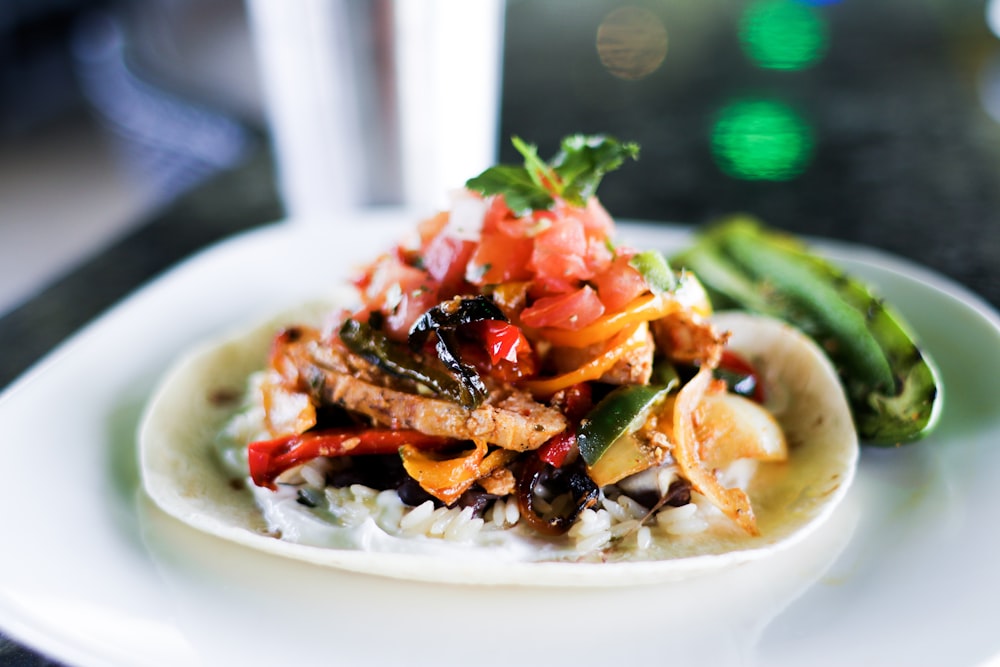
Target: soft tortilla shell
181,475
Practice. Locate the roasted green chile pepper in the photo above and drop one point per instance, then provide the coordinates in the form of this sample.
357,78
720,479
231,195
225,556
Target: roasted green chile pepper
395,359
891,386
443,322
451,314
665,374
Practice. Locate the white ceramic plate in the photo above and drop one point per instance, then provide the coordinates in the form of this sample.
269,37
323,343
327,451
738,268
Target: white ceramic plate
92,574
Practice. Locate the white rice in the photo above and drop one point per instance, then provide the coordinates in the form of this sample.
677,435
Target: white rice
454,524
418,520
504,513
592,530
463,526
643,538
443,516
314,473
683,520
512,513
619,522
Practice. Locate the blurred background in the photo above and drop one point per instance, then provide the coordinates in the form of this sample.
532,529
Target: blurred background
108,111
875,122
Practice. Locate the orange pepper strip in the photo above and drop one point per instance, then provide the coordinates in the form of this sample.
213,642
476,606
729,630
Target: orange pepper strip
641,309
445,478
624,342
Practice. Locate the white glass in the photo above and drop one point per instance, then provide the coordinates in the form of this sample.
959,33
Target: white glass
383,102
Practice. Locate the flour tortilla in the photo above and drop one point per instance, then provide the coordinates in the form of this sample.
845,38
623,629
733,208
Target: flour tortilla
181,474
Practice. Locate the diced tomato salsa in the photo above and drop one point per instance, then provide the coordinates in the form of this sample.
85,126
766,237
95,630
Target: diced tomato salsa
559,263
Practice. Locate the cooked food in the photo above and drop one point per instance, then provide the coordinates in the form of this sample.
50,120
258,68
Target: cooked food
513,397
891,385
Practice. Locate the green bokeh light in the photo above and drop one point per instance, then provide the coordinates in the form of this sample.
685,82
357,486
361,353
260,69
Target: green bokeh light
761,140
783,34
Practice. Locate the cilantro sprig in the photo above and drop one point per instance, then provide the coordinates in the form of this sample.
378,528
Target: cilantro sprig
572,175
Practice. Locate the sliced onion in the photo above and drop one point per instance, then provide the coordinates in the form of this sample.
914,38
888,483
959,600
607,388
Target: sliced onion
734,503
466,217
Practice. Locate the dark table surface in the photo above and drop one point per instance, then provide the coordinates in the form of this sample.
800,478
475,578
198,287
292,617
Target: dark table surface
905,154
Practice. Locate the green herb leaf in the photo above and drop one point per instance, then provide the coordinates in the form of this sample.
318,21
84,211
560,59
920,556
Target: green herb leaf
520,191
539,170
584,160
573,174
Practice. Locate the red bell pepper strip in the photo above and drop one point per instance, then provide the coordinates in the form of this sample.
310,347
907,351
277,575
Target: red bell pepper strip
576,402
742,377
503,341
269,458
500,350
557,448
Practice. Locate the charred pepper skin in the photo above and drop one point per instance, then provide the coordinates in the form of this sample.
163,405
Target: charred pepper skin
397,360
891,385
442,321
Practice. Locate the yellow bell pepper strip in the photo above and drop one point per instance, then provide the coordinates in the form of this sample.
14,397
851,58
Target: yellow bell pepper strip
621,344
286,410
642,309
688,294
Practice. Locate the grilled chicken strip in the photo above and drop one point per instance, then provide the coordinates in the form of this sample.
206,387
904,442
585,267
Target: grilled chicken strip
509,418
687,338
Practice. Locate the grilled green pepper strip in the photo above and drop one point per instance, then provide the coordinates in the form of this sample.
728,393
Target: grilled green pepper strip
652,266
665,374
397,360
891,386
619,413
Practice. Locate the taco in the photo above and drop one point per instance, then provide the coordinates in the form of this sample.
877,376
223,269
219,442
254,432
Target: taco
513,398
